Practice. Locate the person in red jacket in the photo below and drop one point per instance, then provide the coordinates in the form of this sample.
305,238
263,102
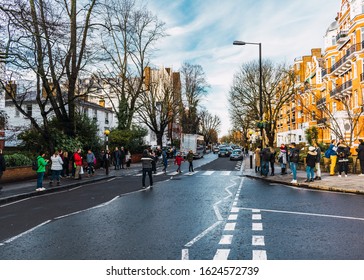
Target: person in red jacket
78,162
178,161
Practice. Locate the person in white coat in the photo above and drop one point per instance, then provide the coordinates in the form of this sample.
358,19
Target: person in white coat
56,168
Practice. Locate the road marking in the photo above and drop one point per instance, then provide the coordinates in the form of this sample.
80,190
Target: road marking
24,233
225,173
230,226
232,217
234,210
206,231
185,255
258,240
259,255
256,210
207,173
222,254
256,216
226,239
257,226
306,214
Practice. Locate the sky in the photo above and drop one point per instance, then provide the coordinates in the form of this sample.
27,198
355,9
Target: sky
202,32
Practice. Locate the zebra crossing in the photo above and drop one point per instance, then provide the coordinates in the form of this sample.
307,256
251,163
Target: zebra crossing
199,173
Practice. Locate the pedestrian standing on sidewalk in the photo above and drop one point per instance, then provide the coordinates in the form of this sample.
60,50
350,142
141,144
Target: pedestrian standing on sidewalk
122,157
310,164
42,163
116,158
147,160
318,161
282,159
90,158
165,160
360,151
272,160
78,162
66,164
343,153
2,165
107,159
257,159
190,161
265,158
333,157
127,158
56,168
178,160
293,156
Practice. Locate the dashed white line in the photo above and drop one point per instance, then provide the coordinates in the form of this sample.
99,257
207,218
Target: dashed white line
222,254
256,216
226,239
259,255
233,217
258,240
230,226
257,226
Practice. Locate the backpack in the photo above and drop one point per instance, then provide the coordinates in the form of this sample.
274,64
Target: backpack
35,165
294,156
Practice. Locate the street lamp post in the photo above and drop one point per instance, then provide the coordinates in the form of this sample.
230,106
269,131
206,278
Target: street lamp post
241,43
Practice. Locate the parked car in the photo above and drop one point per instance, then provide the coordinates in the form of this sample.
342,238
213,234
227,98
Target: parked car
215,150
224,152
237,154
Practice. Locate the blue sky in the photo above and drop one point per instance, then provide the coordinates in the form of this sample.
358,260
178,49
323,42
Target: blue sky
202,32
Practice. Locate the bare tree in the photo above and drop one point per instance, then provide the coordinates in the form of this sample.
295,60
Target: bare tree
210,125
46,50
194,86
277,89
131,32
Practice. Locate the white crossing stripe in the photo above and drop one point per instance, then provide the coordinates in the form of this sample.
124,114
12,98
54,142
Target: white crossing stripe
258,240
256,216
259,255
255,210
233,217
222,254
225,173
234,210
226,239
230,226
185,255
207,173
257,226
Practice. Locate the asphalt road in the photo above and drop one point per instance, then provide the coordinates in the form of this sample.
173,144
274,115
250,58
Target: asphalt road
214,213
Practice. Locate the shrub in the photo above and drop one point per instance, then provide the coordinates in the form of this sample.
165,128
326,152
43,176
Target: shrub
17,160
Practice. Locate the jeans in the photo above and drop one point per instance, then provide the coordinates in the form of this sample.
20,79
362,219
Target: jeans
90,168
149,171
55,175
265,168
190,167
293,166
40,176
310,171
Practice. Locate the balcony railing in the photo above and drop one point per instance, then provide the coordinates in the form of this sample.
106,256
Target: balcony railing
342,90
321,122
353,49
341,36
321,102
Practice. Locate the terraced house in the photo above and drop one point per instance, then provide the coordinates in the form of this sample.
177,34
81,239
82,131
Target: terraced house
330,84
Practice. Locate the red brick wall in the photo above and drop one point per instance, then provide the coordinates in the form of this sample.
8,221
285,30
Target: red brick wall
13,174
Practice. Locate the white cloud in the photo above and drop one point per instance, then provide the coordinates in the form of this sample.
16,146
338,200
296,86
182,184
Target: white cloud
203,31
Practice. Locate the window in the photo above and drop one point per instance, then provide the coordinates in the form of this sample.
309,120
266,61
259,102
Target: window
356,99
106,118
313,115
94,114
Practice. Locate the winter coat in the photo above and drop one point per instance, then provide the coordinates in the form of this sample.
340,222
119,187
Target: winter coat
283,156
257,157
343,153
360,151
311,159
292,152
41,164
266,154
318,157
78,159
332,150
90,157
57,162
189,157
178,160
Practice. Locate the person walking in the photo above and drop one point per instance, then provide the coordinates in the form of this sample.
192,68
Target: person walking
265,158
190,161
56,168
343,153
165,160
2,165
318,161
282,159
42,163
293,156
333,157
78,162
147,160
310,164
257,159
360,151
90,159
178,160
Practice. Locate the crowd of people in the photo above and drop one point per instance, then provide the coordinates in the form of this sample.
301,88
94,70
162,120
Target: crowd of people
336,159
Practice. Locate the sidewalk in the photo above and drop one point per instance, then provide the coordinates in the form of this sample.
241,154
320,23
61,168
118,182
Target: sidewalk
351,184
24,189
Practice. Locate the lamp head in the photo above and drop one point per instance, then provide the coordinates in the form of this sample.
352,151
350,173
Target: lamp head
239,43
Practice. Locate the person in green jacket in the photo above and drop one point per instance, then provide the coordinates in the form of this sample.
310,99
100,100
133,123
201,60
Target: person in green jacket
42,163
